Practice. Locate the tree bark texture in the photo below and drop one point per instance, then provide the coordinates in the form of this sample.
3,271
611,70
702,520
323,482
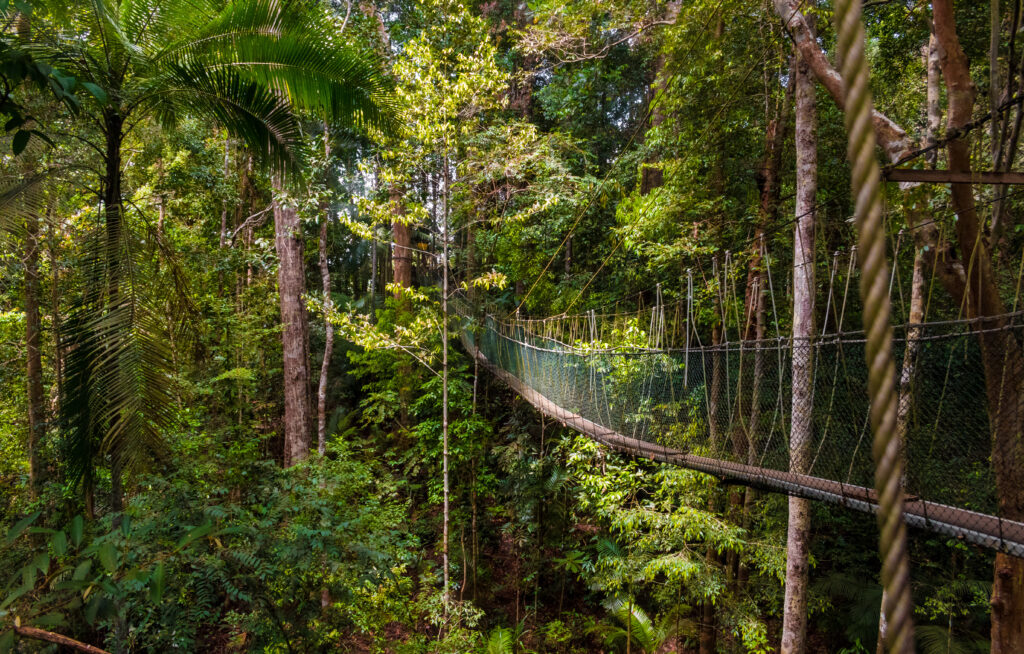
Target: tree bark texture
794,620
291,284
34,362
401,255
1001,354
59,639
321,393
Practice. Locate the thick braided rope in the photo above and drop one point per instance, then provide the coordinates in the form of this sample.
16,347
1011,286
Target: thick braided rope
866,180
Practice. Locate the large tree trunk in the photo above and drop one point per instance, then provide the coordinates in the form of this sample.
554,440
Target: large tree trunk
1001,354
34,363
794,620
401,255
291,284
401,264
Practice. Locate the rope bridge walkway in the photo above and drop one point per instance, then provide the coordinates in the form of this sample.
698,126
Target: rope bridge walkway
727,409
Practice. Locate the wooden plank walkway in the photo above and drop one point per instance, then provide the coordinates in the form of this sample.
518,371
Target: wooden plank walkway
978,528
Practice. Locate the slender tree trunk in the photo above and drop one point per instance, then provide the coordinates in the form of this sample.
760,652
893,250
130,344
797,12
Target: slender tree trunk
401,265
224,204
794,620
993,80
444,373
291,284
114,214
34,362
321,395
55,319
325,280
651,174
33,325
746,410
917,290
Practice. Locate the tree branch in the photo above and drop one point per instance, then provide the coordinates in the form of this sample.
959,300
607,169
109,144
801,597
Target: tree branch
50,637
891,136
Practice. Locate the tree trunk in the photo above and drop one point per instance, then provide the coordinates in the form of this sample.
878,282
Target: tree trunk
707,634
401,264
401,255
651,174
291,284
55,319
1001,354
891,136
34,362
114,215
321,394
794,620
325,280
917,292
444,369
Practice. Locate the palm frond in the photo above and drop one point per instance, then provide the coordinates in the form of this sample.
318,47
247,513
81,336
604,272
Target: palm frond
500,641
291,48
935,639
249,110
637,625
20,197
118,398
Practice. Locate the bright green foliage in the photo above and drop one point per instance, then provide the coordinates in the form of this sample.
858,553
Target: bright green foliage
196,555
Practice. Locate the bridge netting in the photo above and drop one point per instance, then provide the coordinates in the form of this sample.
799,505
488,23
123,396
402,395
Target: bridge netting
729,410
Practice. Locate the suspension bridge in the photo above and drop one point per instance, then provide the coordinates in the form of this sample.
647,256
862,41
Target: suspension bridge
644,383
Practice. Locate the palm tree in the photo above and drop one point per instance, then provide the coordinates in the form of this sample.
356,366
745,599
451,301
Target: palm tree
249,65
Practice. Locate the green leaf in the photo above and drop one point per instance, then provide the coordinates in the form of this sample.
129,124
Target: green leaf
126,526
96,92
19,527
195,534
59,540
81,570
77,526
13,597
92,608
20,141
42,562
7,641
108,557
66,81
156,583
49,620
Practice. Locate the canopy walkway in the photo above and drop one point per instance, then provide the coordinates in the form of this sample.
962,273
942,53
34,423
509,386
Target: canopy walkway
726,409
